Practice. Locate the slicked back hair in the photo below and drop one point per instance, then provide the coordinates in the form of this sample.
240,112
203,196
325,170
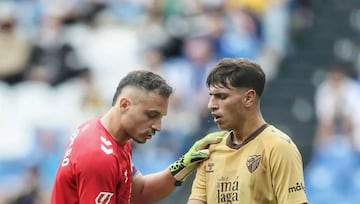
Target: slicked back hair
145,80
238,73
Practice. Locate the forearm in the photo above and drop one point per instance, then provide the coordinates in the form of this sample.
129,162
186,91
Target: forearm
154,187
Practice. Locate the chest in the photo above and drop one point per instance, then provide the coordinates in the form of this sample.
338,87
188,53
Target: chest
237,176
125,170
124,176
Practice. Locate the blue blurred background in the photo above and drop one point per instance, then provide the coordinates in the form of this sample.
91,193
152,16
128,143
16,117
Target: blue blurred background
60,62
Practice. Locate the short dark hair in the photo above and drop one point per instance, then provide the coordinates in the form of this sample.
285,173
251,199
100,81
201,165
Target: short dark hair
145,80
239,73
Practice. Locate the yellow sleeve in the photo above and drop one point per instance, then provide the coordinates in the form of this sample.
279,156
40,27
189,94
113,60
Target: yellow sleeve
198,191
287,173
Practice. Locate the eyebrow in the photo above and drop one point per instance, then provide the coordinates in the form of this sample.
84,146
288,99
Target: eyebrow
218,93
153,112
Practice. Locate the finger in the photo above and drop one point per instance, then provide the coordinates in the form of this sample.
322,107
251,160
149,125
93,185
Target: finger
206,143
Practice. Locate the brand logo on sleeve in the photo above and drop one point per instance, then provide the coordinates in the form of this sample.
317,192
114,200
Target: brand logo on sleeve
103,198
106,145
253,162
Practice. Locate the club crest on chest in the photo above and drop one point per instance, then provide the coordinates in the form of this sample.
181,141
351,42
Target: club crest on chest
253,162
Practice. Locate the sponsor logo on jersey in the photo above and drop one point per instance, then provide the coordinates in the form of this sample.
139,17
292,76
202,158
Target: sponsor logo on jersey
253,162
228,190
103,198
298,187
106,145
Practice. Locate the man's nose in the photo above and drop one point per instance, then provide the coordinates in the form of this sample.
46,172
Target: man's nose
211,103
157,126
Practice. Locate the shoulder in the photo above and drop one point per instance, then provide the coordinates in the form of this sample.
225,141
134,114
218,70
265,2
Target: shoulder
97,157
86,137
280,148
273,133
92,144
274,139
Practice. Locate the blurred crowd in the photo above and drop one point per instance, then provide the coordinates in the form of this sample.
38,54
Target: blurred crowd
333,174
60,62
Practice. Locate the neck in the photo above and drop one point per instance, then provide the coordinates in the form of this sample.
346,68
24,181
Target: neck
111,124
246,129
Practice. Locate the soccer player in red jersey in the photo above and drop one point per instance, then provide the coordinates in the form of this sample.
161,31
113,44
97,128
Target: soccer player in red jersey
97,167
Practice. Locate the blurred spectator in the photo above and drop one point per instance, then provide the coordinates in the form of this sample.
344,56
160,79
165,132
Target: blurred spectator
336,99
332,174
151,30
110,50
242,38
301,18
52,55
14,49
275,21
263,28
47,152
31,194
335,164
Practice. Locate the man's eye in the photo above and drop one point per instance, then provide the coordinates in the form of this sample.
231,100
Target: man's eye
221,96
152,115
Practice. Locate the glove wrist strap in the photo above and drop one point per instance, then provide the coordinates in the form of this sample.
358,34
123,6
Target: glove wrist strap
178,183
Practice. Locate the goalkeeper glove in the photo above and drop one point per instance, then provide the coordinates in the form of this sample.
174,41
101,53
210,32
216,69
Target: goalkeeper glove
199,152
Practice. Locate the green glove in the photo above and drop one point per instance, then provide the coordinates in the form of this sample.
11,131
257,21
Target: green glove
197,153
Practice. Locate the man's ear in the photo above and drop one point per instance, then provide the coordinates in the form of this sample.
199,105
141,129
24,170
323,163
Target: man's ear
250,96
124,103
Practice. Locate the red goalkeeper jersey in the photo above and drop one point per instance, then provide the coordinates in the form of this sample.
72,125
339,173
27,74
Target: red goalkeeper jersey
94,169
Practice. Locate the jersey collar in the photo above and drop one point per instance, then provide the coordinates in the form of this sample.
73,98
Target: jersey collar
229,141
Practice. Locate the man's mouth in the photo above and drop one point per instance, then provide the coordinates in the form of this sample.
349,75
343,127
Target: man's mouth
216,118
